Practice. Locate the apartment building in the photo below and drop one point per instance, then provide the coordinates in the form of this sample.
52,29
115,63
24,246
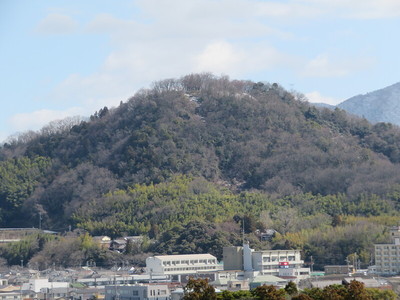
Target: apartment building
387,256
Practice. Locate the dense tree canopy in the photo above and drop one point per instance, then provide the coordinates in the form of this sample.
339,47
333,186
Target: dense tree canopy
212,153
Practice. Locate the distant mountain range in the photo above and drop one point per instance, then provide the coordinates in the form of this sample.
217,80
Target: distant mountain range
378,106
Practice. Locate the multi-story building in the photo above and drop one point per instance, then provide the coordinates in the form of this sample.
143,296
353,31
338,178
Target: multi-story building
181,264
387,256
285,263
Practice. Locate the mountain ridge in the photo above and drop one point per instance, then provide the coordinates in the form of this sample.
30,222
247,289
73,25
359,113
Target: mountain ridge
246,135
382,105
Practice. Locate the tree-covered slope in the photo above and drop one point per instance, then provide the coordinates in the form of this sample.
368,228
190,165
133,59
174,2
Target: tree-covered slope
237,134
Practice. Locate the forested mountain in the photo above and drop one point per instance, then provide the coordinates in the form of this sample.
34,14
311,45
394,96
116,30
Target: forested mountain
199,154
378,106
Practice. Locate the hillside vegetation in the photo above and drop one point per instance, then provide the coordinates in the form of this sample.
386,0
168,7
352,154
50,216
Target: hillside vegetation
207,152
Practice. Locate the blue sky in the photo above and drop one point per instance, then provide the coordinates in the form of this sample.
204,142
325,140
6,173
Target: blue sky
66,58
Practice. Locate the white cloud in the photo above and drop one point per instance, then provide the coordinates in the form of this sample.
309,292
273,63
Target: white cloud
56,23
37,119
170,40
173,38
316,97
376,9
237,60
219,57
324,66
291,10
355,9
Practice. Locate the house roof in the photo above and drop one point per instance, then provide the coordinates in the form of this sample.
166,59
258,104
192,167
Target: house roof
267,278
8,288
102,238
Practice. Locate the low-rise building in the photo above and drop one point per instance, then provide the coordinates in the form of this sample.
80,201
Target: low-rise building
103,241
182,264
138,292
39,284
9,235
338,269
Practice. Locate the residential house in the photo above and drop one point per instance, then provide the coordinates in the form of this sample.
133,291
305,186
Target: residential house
103,241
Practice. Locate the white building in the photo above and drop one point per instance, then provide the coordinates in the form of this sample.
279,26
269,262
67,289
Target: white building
284,263
387,256
137,292
43,284
181,264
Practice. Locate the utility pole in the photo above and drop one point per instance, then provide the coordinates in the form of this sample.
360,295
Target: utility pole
355,262
312,264
243,230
